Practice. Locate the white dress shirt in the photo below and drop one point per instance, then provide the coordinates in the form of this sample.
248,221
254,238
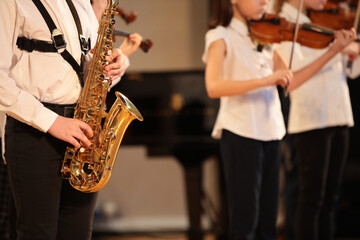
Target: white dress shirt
255,114
27,79
322,101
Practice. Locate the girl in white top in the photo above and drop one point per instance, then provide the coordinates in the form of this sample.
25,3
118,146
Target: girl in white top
319,120
250,123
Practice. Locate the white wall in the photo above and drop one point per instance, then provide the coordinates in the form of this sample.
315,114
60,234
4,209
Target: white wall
177,29
148,193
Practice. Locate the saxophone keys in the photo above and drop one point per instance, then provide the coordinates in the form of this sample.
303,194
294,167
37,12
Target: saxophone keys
113,135
104,114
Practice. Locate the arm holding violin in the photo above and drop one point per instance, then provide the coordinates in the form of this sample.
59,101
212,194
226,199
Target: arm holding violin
351,51
131,44
217,87
342,39
351,54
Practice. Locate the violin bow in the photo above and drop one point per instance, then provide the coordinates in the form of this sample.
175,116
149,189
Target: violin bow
356,22
297,24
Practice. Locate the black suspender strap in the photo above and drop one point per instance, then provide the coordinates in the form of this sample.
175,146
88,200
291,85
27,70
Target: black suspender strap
85,45
58,39
75,16
56,34
45,14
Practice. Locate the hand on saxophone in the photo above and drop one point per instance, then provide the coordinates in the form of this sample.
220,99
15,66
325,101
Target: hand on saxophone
118,63
71,130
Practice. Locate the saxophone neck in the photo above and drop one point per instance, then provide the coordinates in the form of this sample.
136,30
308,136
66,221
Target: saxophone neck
112,5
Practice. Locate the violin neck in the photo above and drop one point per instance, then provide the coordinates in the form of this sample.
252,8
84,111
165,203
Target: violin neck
318,29
121,33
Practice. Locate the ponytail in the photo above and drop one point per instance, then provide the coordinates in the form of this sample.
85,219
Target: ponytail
222,13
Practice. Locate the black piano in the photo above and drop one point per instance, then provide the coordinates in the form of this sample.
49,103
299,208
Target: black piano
178,119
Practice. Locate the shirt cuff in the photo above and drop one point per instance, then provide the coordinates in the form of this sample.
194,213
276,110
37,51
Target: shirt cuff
45,119
127,64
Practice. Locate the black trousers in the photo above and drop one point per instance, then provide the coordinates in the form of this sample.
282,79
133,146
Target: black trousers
4,200
251,170
47,207
291,187
321,156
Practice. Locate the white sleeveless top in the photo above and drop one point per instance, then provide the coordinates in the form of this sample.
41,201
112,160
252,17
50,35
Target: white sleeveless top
255,114
324,100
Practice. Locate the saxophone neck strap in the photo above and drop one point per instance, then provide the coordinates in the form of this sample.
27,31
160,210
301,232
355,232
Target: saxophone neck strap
58,40
56,34
85,45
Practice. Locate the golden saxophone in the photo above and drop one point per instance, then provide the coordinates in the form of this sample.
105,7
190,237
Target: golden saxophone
89,169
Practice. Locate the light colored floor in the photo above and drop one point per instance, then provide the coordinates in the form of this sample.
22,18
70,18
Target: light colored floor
152,237
172,237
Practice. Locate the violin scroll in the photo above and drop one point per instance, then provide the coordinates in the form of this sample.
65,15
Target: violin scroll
146,45
128,18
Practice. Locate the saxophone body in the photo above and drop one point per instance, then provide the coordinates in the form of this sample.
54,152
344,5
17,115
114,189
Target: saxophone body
89,169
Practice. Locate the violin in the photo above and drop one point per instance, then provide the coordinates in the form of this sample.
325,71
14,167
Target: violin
334,15
145,45
274,29
128,18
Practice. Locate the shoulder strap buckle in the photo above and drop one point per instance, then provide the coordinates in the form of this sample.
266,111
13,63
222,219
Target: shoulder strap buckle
85,45
58,39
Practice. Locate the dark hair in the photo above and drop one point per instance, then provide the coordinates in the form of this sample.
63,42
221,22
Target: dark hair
222,13
278,5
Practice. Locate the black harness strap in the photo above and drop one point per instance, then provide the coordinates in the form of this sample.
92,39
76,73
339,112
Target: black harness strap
85,45
45,14
31,44
75,16
58,39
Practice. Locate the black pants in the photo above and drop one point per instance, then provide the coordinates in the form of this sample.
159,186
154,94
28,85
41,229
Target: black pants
252,183
321,156
291,187
47,207
4,200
